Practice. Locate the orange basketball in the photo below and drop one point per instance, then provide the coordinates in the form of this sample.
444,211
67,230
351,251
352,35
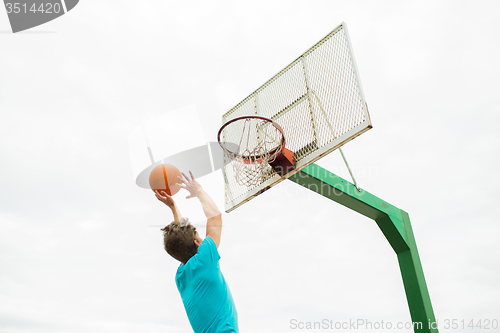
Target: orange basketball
164,177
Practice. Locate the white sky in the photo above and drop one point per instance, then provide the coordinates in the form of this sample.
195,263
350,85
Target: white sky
78,252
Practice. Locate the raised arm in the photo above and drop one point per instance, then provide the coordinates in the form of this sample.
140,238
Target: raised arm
214,216
170,202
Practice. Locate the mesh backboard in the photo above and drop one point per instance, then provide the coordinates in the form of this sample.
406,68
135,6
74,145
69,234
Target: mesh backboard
317,100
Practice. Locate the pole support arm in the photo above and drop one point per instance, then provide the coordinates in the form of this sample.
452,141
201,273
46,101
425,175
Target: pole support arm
394,224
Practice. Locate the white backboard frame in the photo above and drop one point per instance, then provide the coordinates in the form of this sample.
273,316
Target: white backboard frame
337,83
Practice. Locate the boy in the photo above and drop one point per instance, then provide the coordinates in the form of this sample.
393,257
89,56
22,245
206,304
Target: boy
204,292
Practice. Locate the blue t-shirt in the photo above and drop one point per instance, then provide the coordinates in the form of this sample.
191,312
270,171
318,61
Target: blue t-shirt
205,294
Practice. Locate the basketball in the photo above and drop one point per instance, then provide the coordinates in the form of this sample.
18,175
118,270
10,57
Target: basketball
164,177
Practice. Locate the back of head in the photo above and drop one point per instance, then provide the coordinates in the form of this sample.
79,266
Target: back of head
179,241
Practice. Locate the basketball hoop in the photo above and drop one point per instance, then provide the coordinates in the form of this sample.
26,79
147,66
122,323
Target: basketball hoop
252,144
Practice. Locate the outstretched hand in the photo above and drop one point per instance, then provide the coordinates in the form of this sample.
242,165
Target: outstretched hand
191,185
165,198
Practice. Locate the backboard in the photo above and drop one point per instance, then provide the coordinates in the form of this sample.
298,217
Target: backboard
317,100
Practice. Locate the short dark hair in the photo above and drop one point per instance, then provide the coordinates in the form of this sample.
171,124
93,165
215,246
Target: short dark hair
179,241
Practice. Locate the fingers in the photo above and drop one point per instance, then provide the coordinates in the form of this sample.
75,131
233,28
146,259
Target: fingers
181,186
185,176
186,184
159,197
163,197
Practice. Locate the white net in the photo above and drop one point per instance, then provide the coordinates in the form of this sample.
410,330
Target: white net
256,143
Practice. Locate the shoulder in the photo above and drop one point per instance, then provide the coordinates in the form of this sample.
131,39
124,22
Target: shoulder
207,251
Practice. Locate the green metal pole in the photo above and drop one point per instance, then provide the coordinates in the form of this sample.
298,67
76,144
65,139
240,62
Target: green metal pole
394,224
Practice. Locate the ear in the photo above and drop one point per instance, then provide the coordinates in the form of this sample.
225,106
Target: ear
196,243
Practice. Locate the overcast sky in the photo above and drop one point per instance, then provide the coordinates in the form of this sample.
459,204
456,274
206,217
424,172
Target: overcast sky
80,246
